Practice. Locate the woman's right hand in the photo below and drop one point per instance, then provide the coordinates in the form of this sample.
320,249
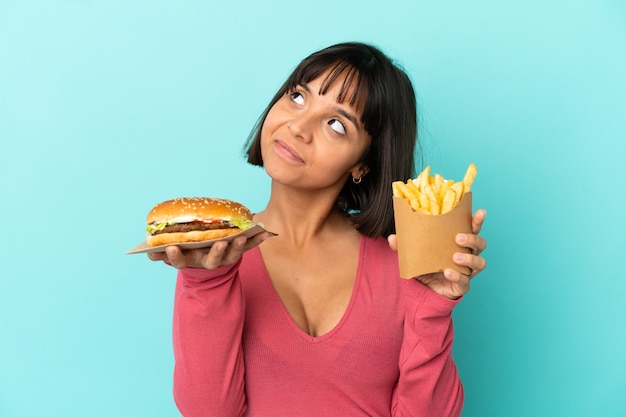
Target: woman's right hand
220,253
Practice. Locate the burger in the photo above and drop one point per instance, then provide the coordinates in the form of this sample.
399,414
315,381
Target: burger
195,219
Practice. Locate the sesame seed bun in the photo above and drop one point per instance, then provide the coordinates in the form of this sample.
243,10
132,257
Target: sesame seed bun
184,215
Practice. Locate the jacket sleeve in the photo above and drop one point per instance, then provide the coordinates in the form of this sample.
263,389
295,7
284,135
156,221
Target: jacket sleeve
429,383
207,331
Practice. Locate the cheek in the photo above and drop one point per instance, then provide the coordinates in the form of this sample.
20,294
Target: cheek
332,165
266,130
275,116
270,124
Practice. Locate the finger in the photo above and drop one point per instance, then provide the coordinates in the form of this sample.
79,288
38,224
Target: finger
474,242
393,242
213,258
175,257
227,254
234,250
475,263
157,256
257,240
478,220
461,281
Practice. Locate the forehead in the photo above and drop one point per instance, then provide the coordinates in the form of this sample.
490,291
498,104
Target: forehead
344,79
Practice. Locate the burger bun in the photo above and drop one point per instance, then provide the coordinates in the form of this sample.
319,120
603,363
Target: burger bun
190,209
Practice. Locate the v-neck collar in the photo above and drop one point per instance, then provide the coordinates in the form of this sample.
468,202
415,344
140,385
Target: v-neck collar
287,316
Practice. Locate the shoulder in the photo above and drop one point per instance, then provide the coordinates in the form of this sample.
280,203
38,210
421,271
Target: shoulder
376,256
377,247
379,264
252,259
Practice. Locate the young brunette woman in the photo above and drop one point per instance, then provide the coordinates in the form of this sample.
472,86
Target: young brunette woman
316,321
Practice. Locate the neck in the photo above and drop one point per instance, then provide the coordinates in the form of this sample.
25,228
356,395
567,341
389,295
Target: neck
301,215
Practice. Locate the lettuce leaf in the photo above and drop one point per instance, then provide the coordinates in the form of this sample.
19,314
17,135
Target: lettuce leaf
155,227
242,224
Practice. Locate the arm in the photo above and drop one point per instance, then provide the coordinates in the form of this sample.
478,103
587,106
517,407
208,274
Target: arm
429,383
207,329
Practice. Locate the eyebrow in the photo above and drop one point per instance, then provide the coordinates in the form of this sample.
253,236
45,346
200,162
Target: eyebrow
339,110
348,116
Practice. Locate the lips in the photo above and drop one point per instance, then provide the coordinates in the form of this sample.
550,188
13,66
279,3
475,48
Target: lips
287,152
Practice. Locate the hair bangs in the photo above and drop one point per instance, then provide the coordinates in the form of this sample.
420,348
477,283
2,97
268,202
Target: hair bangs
353,84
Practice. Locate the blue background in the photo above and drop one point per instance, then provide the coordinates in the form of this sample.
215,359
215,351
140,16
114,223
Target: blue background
108,107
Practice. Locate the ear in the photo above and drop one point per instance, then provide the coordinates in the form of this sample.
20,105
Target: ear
359,170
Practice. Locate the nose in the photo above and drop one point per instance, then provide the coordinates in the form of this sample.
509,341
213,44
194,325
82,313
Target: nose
301,127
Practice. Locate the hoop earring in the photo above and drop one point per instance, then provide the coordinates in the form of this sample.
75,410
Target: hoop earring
357,181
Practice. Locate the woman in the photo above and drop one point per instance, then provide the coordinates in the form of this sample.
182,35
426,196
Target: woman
316,321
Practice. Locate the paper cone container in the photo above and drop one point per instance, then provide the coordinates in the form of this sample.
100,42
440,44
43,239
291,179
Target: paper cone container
426,242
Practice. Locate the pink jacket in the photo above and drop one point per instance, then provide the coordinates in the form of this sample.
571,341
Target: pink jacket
239,353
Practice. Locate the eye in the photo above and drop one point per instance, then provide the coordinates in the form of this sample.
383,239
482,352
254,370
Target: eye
337,126
297,97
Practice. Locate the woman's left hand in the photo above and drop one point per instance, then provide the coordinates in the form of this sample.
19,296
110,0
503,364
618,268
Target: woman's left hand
451,283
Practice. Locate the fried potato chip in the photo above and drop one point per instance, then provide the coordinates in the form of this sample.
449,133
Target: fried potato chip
413,187
432,199
423,177
434,194
398,188
444,189
459,190
437,184
468,179
449,201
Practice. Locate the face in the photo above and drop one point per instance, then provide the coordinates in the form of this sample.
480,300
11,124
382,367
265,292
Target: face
313,141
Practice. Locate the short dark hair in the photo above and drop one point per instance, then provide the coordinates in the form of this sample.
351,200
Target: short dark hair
385,94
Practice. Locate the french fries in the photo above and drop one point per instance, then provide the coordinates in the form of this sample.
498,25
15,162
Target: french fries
433,194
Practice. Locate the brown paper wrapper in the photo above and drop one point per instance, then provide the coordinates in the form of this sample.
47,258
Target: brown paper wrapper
426,242
145,248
